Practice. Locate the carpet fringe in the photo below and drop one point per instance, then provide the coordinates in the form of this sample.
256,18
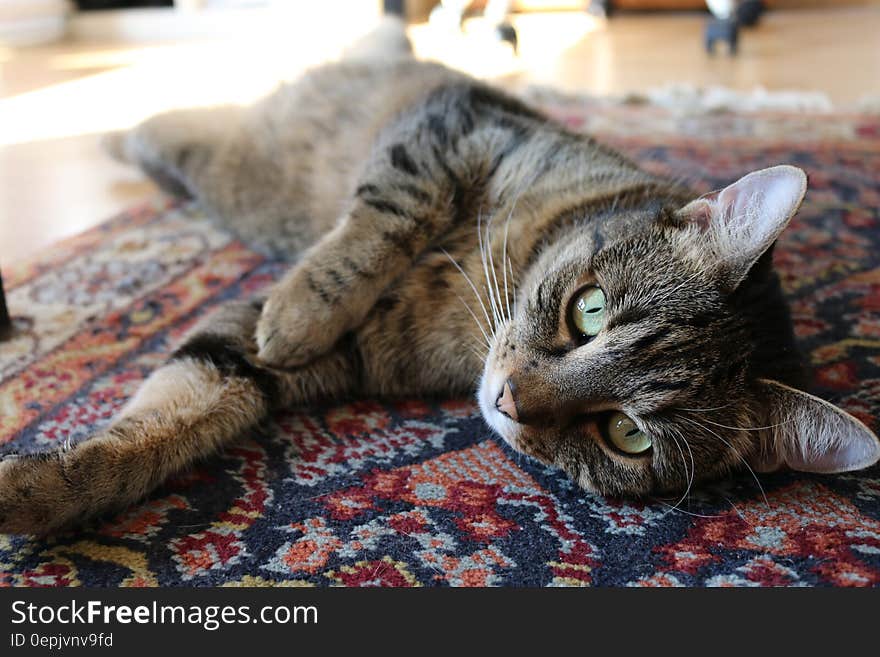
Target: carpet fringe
685,98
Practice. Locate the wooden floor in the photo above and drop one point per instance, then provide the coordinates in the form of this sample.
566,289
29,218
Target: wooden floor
56,100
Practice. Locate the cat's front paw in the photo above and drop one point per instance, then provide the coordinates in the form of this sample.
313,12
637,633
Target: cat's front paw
28,487
295,326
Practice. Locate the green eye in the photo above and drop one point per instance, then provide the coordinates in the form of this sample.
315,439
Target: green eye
626,436
588,312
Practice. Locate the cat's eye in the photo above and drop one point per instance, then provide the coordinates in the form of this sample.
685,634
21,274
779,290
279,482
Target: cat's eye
588,311
626,436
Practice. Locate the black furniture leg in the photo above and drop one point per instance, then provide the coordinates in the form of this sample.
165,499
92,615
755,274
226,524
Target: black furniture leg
5,321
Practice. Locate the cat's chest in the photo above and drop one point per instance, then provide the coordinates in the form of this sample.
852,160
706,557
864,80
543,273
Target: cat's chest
428,331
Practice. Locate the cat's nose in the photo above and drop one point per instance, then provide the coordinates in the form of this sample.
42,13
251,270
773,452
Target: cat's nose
505,403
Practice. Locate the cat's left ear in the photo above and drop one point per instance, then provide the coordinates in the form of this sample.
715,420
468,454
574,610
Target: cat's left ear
737,224
808,434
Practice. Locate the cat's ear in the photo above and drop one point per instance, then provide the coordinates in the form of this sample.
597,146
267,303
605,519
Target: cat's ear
737,224
808,434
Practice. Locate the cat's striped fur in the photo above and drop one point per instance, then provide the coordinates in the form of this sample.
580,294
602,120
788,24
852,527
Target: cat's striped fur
383,176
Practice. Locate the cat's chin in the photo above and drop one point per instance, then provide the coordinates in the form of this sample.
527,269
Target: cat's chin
490,387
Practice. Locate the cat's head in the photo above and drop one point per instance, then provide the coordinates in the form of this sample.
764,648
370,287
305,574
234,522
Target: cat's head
642,362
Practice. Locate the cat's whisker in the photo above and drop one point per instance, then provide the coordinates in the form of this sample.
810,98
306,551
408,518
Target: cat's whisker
769,426
482,246
738,512
482,344
505,315
486,332
497,290
512,283
705,410
476,294
689,513
504,261
485,335
684,464
693,473
483,347
736,452
476,352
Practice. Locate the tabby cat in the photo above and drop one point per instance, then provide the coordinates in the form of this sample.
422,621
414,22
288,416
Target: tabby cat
448,239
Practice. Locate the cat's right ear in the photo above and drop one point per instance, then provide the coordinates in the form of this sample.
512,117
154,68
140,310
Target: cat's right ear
809,434
736,225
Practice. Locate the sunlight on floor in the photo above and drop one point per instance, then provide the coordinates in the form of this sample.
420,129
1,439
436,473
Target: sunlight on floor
142,81
105,58
137,82
157,81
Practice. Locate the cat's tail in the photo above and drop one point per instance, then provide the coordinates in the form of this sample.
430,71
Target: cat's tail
209,393
387,40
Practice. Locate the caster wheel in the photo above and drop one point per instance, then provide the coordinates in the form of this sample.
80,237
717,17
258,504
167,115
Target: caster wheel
506,32
721,30
749,11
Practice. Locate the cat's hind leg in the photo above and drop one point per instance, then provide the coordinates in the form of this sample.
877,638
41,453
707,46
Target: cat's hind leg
175,148
209,393
215,155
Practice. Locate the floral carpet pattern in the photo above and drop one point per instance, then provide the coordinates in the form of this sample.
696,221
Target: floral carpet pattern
421,494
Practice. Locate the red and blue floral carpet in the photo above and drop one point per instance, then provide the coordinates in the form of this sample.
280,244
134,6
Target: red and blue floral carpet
422,494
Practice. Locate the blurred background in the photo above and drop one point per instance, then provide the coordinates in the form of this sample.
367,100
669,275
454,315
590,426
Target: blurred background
72,70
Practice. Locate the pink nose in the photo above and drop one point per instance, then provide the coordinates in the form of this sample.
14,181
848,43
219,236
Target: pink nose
505,403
